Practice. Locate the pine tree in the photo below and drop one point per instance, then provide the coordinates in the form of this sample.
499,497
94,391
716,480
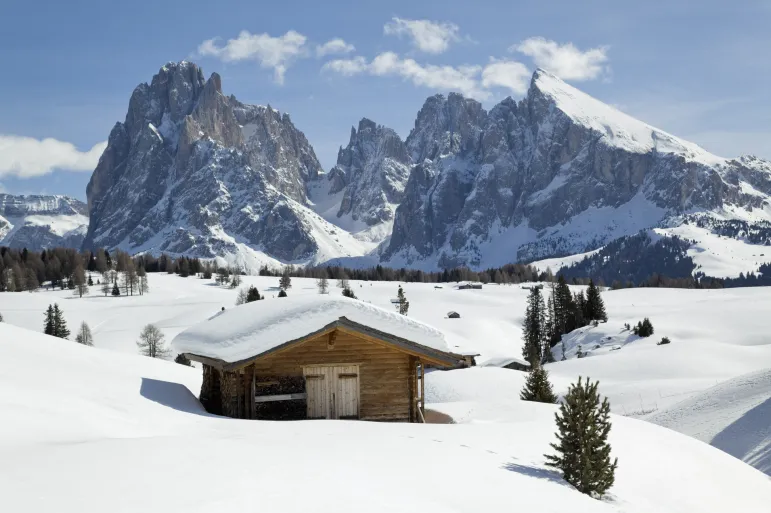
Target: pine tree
285,282
595,306
60,324
537,387
534,331
322,284
84,335
151,342
253,294
282,293
403,305
583,452
115,289
90,280
48,327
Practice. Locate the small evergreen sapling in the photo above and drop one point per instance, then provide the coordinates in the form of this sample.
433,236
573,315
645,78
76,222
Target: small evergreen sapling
348,292
537,387
282,293
583,452
403,305
60,325
285,282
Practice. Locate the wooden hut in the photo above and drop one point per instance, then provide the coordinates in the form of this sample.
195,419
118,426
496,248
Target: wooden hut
315,357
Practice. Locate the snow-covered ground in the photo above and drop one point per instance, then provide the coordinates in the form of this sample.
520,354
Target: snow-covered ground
734,416
90,430
716,335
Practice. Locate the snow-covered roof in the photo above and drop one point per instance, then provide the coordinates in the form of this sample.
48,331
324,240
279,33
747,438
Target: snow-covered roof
255,328
503,361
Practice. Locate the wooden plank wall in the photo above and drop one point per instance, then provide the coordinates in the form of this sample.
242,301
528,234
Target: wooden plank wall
385,373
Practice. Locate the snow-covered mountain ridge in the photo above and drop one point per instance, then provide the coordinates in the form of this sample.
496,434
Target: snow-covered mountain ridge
556,173
41,221
192,171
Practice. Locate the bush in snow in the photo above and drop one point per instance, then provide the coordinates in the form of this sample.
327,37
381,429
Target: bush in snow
643,328
348,292
583,452
664,341
282,293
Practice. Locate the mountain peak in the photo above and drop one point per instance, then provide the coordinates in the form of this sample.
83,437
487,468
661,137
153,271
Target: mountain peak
617,128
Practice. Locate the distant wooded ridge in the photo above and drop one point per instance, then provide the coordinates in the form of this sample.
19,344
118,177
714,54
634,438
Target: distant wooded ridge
633,261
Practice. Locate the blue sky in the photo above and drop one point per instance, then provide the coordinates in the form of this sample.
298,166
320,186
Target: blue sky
69,68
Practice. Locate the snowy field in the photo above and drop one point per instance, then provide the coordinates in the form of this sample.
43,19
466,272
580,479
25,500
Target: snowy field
115,412
89,430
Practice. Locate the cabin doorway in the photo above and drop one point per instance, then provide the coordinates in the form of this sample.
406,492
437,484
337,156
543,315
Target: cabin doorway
332,391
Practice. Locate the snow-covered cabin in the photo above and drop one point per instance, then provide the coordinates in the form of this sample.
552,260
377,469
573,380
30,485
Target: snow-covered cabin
309,357
507,363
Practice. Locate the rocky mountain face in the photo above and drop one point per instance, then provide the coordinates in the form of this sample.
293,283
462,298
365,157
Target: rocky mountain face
36,222
362,191
556,173
192,171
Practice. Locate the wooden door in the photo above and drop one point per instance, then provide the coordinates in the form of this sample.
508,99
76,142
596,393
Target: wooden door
332,392
346,399
317,392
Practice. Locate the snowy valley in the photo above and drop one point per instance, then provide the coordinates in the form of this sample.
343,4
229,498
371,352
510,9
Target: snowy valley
114,410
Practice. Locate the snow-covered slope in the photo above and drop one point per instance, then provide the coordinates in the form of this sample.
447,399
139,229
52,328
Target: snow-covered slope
97,431
734,416
36,222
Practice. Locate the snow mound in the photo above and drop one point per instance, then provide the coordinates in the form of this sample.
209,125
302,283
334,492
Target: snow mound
732,416
619,129
260,326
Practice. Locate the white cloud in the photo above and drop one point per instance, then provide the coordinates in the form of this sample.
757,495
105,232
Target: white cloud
428,36
347,67
334,47
276,53
507,74
26,157
566,61
444,78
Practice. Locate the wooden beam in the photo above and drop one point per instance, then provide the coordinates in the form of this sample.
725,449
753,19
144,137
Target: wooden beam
422,389
281,397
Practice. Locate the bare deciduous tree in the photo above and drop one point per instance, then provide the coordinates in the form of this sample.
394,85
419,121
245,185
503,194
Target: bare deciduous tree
151,342
84,335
